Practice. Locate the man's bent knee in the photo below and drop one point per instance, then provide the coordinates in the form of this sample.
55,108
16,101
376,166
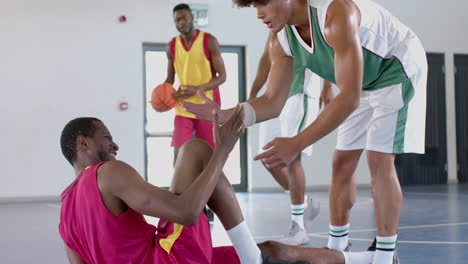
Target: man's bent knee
196,147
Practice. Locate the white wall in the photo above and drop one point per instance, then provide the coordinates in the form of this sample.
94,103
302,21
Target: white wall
441,26
62,59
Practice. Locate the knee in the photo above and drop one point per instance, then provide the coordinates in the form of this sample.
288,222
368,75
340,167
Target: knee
378,161
197,148
343,167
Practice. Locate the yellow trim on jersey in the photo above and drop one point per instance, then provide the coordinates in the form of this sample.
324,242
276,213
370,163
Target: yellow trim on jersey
192,68
168,242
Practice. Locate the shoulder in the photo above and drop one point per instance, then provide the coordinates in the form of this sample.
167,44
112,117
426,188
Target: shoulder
172,41
115,170
342,12
170,47
210,39
342,23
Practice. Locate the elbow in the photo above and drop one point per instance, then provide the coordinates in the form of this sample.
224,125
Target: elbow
354,103
222,78
189,219
188,215
276,112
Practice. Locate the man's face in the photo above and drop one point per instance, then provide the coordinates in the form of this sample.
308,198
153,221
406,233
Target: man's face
183,20
102,147
274,14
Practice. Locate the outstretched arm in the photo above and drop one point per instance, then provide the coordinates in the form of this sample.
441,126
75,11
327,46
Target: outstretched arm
123,182
267,106
263,69
341,32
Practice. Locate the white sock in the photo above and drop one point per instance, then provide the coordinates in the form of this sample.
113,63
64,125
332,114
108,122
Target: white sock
245,246
364,257
297,214
384,250
338,237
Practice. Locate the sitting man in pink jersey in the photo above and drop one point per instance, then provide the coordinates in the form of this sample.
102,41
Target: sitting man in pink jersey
101,218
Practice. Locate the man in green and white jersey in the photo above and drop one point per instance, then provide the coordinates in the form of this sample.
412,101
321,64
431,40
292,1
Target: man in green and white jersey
380,67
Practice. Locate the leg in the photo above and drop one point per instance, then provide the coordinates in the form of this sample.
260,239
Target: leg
176,151
351,140
343,187
386,189
293,253
192,159
281,176
292,178
296,181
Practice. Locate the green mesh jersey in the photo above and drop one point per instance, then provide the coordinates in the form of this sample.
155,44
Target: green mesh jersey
378,72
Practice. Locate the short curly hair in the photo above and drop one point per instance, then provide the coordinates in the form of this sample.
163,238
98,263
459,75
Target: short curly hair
247,3
82,126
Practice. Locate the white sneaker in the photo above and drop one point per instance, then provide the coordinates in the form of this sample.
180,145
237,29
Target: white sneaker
311,211
296,235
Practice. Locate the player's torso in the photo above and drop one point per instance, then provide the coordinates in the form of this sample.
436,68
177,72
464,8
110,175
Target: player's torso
383,39
193,67
191,63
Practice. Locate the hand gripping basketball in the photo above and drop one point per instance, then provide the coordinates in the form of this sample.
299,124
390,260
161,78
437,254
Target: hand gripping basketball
163,97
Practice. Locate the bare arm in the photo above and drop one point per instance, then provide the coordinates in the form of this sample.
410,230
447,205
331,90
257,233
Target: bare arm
327,94
124,183
341,31
170,66
267,106
73,258
262,70
270,104
218,66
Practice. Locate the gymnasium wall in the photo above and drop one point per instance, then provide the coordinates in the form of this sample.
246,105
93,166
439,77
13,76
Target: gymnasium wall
61,59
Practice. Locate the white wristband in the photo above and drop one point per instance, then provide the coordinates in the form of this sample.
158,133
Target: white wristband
249,114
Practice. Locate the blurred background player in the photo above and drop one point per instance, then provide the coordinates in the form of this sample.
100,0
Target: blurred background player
300,110
195,57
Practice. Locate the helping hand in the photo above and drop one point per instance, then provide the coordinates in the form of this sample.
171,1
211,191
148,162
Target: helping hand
282,151
226,135
204,111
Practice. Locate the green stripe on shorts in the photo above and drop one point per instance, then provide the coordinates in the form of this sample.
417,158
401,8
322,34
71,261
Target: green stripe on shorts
304,117
407,91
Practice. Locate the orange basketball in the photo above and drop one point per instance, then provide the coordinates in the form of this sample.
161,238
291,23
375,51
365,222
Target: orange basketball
163,97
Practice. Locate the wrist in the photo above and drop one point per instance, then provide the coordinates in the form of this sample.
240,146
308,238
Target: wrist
221,153
298,143
221,116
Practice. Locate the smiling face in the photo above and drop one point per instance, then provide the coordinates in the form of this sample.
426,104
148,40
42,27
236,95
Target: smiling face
275,14
101,146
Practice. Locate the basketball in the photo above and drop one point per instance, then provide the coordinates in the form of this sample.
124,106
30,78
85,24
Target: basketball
163,97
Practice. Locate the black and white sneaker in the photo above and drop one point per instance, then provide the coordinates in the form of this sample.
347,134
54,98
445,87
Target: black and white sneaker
373,247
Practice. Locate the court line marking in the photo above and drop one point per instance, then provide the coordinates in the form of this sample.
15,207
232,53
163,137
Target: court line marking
325,234
407,241
438,194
